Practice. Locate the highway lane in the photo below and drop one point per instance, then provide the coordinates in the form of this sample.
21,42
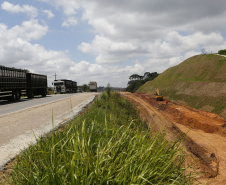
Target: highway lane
10,107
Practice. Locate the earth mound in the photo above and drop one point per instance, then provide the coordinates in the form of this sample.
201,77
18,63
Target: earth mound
199,82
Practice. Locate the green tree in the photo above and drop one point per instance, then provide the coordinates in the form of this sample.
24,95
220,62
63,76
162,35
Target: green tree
85,88
222,52
136,80
135,77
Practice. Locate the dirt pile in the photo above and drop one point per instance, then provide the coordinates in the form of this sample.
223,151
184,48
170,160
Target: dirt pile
187,116
205,140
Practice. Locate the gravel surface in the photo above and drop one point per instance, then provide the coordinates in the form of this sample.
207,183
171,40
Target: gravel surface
19,129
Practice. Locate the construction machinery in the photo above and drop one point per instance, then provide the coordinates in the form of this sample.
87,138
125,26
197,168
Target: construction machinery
158,96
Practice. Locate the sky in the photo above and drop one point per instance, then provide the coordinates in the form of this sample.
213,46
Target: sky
107,40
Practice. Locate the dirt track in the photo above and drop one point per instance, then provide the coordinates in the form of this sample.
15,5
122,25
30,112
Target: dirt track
205,142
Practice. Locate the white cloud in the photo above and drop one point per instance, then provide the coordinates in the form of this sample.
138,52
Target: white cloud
69,7
173,45
29,10
130,36
29,30
194,41
110,51
49,13
69,22
162,32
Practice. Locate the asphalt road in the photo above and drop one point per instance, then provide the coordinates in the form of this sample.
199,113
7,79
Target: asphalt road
7,107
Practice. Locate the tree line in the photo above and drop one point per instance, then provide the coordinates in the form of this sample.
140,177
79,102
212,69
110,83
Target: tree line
222,52
135,80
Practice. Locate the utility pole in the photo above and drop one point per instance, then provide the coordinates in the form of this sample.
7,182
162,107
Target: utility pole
55,76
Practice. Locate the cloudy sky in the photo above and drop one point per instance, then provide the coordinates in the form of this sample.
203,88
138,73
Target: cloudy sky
107,40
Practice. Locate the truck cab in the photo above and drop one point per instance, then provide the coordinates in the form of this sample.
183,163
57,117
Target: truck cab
59,86
93,86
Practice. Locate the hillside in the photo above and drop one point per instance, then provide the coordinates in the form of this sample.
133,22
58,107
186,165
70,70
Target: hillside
199,82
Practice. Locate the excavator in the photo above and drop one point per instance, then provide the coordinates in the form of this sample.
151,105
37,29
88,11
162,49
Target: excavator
158,96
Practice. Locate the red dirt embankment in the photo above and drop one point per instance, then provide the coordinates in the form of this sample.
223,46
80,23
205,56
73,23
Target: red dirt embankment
205,141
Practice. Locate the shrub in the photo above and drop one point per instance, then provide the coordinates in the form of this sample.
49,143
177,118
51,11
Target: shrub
222,52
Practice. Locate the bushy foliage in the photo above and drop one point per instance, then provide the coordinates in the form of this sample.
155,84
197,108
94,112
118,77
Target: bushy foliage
137,81
85,88
108,90
222,52
133,85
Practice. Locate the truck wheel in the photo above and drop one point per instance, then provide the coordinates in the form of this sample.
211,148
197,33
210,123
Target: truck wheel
30,95
44,94
13,97
17,95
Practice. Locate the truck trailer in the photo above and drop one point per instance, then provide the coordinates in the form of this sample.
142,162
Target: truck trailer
17,82
93,86
36,85
65,86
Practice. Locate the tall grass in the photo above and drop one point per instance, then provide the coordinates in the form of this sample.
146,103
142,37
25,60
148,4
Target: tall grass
108,144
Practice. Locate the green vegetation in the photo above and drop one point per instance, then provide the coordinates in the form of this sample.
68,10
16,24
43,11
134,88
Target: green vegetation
137,81
85,88
108,144
50,90
198,82
222,52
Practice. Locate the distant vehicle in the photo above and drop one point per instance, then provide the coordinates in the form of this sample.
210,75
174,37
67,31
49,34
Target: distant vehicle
93,86
158,96
65,86
79,90
17,82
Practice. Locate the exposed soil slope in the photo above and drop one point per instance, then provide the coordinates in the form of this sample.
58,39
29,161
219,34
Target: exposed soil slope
199,82
205,141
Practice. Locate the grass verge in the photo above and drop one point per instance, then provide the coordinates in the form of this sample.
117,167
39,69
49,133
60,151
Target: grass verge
108,144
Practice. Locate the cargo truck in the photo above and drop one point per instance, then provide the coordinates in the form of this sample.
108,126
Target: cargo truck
93,86
65,86
17,82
